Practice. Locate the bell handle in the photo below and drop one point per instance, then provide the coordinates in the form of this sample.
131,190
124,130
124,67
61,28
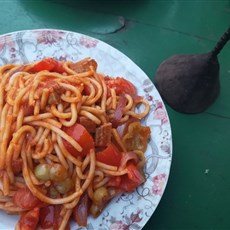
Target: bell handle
221,43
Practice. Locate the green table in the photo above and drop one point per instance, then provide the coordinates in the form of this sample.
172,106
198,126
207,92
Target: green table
149,31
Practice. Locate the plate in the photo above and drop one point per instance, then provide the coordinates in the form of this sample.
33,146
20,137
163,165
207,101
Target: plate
130,210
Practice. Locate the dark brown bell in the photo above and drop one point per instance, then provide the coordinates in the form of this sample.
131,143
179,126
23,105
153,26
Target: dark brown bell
189,83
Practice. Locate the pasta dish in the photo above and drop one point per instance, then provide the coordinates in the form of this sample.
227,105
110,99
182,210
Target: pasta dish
71,140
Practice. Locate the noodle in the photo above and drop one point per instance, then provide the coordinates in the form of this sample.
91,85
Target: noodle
56,125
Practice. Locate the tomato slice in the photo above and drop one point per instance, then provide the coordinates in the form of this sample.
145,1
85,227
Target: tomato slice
121,85
111,155
114,181
81,135
127,185
132,179
58,68
49,64
24,199
29,220
129,181
134,174
80,212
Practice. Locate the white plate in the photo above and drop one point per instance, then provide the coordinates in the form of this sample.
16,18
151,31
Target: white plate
128,211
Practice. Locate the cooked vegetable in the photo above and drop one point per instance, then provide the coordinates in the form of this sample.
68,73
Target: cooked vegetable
80,212
49,64
29,220
133,179
24,199
46,219
100,195
58,172
53,191
42,172
110,155
82,136
137,137
121,86
50,218
94,210
64,186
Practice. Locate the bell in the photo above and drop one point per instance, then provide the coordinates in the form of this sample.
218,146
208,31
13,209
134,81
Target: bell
190,83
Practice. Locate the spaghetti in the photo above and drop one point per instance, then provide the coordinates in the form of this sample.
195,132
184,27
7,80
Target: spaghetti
70,141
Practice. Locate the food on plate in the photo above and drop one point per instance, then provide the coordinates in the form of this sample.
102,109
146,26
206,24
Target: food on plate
71,139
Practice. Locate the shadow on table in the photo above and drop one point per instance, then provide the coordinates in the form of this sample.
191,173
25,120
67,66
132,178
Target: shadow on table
103,4
99,5
93,16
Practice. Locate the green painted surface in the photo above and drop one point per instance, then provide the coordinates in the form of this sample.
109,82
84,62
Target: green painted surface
149,31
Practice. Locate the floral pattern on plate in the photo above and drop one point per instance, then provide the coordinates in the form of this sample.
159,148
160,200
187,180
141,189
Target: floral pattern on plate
127,211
